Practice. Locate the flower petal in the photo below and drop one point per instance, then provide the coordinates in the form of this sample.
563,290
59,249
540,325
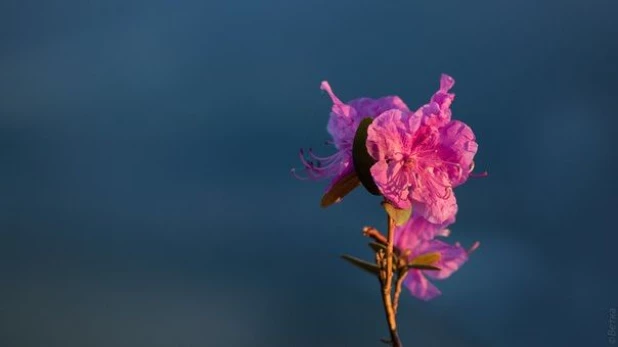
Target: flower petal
452,257
420,287
438,112
367,107
417,229
388,133
408,236
424,211
343,120
457,149
437,209
392,181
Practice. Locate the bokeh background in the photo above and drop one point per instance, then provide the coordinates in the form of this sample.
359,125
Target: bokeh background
145,149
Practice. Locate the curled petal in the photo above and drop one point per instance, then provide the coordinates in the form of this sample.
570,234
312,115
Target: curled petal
446,82
438,111
342,122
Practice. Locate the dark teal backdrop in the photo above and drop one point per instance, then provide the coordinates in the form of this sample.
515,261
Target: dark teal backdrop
145,148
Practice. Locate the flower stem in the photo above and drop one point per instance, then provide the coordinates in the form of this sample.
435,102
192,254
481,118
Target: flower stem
386,282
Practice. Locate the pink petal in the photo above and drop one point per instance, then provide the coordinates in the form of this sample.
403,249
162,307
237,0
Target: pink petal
367,107
457,150
416,230
422,210
434,200
437,112
446,82
392,182
408,236
441,210
342,123
420,287
388,133
452,257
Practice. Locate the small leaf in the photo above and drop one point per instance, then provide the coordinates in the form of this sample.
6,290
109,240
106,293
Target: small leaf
361,158
399,215
340,189
377,246
367,266
423,267
426,259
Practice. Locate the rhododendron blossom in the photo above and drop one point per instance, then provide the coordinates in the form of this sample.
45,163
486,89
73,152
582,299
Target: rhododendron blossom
342,125
413,160
421,156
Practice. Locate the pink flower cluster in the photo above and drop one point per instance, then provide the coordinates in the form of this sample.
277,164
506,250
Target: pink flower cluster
420,157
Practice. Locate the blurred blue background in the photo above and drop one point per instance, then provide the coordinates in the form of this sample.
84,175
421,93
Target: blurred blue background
145,148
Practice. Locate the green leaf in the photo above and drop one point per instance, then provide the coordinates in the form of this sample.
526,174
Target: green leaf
340,189
361,158
400,216
364,265
423,267
377,246
425,260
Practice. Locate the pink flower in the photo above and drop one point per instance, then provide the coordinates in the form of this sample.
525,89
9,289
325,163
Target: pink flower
422,156
416,238
342,125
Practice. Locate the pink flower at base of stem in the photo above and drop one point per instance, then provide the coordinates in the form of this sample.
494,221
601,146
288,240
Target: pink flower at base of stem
418,237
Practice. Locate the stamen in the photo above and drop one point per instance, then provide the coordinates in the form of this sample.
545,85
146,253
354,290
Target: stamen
297,176
473,247
317,167
476,175
313,156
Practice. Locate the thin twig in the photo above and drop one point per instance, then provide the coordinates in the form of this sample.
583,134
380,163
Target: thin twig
400,279
387,287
